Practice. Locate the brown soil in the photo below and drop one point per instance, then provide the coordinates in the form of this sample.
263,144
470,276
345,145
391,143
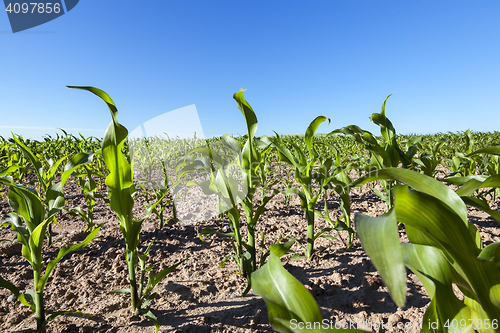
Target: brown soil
200,296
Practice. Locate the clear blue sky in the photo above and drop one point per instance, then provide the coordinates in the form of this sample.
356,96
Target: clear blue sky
298,60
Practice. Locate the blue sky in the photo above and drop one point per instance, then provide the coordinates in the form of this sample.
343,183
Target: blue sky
298,60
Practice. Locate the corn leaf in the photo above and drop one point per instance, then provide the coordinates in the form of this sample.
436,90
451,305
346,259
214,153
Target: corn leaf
311,129
36,244
285,296
431,267
153,280
421,183
20,296
76,161
248,113
28,154
26,204
148,314
494,150
119,179
280,250
55,199
379,236
441,227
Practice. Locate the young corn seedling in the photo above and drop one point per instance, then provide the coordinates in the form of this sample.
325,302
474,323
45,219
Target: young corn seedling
148,154
253,166
385,153
304,163
121,190
47,190
255,169
142,154
15,161
428,162
159,202
30,221
222,181
145,293
492,167
463,164
89,189
470,185
333,176
45,177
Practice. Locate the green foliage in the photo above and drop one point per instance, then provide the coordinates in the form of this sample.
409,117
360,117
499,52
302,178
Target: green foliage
121,190
291,308
252,162
333,174
156,197
286,298
305,164
428,162
444,249
385,152
30,221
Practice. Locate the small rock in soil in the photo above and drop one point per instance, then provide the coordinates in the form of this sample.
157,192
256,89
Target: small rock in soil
395,318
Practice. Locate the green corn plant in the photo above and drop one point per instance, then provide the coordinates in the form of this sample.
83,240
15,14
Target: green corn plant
269,164
291,308
493,168
121,190
30,221
158,203
470,185
14,160
46,176
145,159
287,181
334,176
254,167
489,166
89,188
145,293
6,173
145,156
462,163
428,162
304,163
444,249
217,165
47,189
386,152
224,184
469,191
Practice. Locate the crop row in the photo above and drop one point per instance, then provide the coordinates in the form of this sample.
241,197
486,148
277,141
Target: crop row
444,248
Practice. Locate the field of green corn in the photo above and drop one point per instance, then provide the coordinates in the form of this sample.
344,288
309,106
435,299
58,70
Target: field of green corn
289,233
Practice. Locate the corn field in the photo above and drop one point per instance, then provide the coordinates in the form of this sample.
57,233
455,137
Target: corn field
287,233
